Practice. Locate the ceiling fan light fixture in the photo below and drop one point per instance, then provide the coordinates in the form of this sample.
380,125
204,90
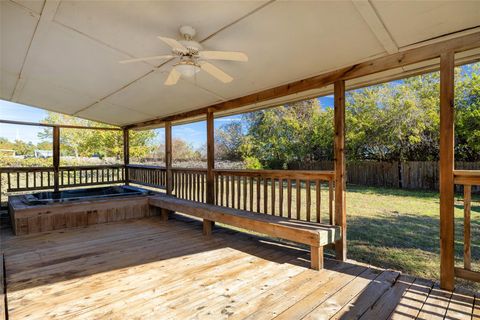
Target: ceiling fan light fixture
187,69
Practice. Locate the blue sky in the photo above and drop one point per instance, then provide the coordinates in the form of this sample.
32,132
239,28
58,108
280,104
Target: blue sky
193,133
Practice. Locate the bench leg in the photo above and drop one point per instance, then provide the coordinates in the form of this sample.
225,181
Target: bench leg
164,214
316,257
208,227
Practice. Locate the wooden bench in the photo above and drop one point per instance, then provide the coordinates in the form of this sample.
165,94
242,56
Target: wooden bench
315,235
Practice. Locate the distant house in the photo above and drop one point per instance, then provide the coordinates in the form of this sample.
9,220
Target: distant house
43,153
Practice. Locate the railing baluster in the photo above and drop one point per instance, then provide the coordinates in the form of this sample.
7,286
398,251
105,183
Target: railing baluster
258,194
272,181
250,181
289,198
222,189
265,195
280,197
239,191
467,206
233,190
217,191
227,190
309,200
330,202
299,198
245,193
318,200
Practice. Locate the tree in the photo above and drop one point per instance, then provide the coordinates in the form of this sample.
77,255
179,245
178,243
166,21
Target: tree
281,135
103,143
467,106
228,141
24,148
182,150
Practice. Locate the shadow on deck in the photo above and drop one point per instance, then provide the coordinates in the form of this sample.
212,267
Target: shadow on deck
148,269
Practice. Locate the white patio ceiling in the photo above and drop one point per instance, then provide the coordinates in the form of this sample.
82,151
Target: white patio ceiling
63,55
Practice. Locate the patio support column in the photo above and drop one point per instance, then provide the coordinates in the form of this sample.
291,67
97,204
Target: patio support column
447,252
126,155
168,156
56,157
339,163
207,224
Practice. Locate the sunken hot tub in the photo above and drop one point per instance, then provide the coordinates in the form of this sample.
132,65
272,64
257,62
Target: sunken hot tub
46,211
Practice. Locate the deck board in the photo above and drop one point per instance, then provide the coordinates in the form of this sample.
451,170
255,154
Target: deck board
151,269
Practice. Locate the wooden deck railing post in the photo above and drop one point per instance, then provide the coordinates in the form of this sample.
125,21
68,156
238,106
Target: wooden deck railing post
447,263
340,177
56,157
168,156
126,155
207,224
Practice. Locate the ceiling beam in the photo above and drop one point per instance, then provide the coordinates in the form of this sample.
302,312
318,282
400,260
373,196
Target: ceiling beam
388,62
371,17
41,30
66,126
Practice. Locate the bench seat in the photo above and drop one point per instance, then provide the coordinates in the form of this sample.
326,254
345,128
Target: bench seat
316,235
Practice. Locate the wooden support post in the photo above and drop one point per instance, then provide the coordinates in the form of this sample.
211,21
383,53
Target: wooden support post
447,252
316,258
340,177
164,213
207,224
126,154
168,156
56,157
168,163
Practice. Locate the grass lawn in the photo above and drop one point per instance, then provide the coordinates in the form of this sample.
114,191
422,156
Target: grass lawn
399,229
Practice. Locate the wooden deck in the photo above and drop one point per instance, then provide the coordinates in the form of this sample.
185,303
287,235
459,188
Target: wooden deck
146,269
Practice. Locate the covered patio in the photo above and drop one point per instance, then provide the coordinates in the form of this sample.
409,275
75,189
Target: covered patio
143,256
144,269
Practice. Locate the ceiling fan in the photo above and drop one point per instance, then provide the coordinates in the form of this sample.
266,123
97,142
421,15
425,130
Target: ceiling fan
192,59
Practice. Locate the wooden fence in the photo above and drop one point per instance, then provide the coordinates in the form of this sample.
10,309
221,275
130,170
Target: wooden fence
406,175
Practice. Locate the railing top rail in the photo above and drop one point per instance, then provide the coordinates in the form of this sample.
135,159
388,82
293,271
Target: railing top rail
468,177
466,172
106,166
292,174
24,169
32,169
190,169
141,166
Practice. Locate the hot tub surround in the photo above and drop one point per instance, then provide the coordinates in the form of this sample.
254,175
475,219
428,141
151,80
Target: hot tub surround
83,211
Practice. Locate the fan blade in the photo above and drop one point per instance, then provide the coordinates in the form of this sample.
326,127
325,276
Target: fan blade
172,78
147,59
173,43
223,55
216,72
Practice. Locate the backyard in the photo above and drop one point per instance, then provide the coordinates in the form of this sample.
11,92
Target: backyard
399,229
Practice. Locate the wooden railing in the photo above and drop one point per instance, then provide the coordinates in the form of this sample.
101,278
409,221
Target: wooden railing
190,184
292,194
467,178
79,176
20,179
150,176
289,193
27,178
